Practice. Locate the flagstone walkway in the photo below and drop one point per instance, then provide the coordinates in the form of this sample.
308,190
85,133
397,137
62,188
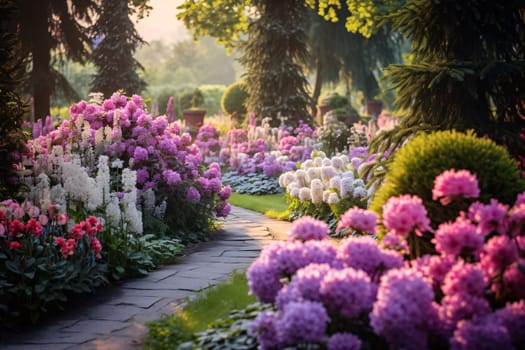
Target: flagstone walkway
113,318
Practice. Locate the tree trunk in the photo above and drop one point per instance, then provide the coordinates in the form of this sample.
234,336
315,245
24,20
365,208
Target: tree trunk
317,87
41,54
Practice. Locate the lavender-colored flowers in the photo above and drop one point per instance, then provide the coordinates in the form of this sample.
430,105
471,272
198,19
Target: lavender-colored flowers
347,292
459,238
402,312
308,228
304,321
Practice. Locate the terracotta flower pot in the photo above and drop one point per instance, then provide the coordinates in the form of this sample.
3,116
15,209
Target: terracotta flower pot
194,117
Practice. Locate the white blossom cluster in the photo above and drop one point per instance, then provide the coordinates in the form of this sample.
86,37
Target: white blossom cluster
322,179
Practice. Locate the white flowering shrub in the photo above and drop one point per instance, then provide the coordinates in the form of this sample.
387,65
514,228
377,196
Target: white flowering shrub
326,187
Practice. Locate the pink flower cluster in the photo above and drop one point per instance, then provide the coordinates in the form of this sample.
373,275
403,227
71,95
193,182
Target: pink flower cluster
358,219
452,184
21,223
405,214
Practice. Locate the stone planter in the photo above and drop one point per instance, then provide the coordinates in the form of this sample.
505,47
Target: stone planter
193,117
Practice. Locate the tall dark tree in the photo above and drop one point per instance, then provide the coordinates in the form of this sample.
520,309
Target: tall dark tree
467,72
46,25
273,57
116,41
11,106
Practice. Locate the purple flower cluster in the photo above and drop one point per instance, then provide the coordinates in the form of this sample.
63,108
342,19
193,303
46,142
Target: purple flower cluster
162,156
468,296
308,228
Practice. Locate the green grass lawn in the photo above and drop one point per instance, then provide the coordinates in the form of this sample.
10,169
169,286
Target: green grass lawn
273,205
199,313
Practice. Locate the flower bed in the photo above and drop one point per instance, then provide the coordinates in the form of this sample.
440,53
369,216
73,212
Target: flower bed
361,294
141,177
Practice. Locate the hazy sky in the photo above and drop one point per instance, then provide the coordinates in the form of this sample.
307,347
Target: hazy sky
161,24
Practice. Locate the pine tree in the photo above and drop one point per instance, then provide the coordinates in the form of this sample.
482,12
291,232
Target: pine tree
467,72
117,41
274,54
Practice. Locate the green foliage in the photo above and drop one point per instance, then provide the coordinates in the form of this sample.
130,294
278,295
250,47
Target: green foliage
131,256
191,99
233,101
230,333
201,16
212,98
198,314
467,70
415,166
361,16
36,279
259,203
252,183
113,55
273,57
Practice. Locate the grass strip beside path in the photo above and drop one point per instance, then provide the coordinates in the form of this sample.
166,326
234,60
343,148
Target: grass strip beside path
273,205
208,306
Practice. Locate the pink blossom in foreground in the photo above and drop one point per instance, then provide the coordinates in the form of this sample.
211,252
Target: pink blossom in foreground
452,183
405,214
358,219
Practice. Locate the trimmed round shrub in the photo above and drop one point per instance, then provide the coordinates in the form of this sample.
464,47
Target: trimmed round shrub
416,165
233,101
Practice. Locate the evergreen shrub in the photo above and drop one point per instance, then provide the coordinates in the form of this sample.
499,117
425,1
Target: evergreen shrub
416,165
233,101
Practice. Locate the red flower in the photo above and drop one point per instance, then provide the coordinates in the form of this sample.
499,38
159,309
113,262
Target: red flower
14,245
34,227
15,227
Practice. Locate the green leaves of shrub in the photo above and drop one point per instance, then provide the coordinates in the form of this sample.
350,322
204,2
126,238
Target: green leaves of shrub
415,166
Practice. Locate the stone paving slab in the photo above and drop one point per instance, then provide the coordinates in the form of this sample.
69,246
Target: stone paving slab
113,319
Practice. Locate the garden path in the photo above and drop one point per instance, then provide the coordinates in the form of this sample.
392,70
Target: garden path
114,318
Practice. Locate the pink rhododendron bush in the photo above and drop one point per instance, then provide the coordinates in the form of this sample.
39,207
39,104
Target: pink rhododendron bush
361,294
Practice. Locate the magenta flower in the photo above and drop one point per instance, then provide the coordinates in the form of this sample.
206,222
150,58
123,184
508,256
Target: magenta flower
490,217
459,238
462,306
171,177
465,279
359,220
498,253
192,194
405,214
451,184
308,228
